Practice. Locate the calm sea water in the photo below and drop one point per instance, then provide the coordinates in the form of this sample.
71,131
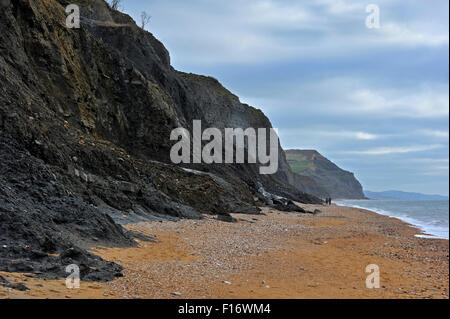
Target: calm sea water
430,216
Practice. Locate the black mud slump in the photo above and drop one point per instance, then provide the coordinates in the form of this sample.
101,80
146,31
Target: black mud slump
42,226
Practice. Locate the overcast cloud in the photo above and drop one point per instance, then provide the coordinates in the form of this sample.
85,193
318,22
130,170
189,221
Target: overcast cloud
374,101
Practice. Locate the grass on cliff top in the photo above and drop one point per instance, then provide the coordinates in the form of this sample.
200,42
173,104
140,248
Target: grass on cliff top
298,166
299,163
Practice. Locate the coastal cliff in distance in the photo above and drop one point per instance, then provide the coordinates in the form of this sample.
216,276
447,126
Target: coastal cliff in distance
333,181
400,195
85,122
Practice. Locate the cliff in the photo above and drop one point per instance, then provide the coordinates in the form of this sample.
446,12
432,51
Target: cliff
85,120
332,181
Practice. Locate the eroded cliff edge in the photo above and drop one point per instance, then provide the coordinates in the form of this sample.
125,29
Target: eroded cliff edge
85,120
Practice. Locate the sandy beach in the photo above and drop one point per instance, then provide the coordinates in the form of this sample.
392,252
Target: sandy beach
276,255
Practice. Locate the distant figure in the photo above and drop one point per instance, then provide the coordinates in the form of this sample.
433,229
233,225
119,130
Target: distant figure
329,201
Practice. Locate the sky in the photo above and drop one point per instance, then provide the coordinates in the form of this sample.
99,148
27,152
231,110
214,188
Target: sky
375,101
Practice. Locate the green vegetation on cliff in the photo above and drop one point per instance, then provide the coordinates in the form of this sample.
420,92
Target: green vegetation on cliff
336,182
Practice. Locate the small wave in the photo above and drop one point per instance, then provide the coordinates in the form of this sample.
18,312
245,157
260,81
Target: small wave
430,229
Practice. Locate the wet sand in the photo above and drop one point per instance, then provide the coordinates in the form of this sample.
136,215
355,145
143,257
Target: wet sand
279,255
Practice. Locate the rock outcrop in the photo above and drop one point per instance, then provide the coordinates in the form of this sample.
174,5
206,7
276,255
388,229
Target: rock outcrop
85,121
327,179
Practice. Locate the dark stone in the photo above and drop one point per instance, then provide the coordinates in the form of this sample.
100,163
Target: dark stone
8,284
287,206
246,209
226,218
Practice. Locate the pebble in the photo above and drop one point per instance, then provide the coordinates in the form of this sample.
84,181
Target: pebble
176,293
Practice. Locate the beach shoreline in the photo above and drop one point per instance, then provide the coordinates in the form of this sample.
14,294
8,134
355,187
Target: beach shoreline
428,230
271,256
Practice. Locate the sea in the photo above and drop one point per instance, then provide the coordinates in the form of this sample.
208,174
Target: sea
431,216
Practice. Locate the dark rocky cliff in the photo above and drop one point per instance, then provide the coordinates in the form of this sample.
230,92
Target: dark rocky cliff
85,120
332,181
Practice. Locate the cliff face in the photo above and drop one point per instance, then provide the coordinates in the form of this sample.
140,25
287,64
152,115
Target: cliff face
332,181
85,121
